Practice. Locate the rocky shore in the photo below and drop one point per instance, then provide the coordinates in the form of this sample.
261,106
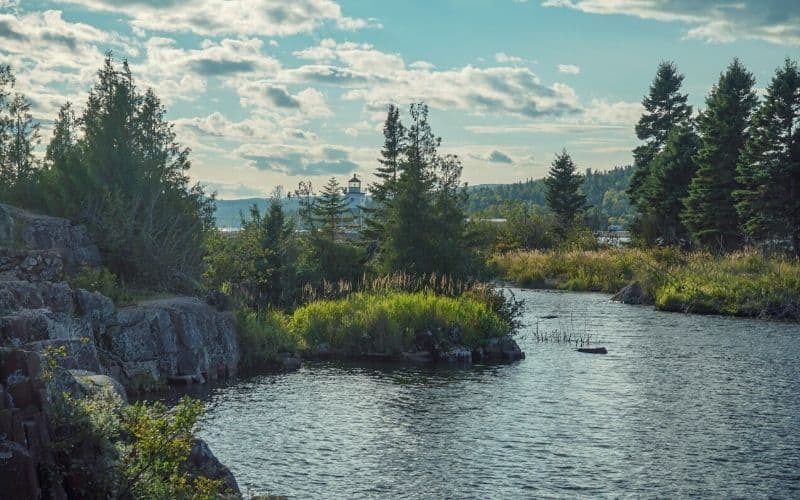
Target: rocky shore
139,347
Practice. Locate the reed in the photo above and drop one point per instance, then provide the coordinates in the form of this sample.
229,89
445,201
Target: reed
743,283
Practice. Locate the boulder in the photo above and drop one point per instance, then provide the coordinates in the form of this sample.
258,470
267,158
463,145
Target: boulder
502,349
185,339
202,462
633,294
89,383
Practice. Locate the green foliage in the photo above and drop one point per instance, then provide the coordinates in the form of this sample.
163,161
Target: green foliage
256,264
136,451
563,192
604,191
329,211
710,213
768,202
19,137
421,219
127,179
263,336
665,188
665,107
741,283
365,322
100,280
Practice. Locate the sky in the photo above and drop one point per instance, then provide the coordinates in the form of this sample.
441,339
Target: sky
272,92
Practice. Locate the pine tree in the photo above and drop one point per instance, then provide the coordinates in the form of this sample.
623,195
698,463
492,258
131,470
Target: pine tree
563,191
424,219
664,190
19,136
769,166
710,213
387,173
330,209
665,107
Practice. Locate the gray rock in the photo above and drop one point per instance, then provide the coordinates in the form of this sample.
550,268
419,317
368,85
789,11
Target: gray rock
183,336
21,229
456,356
92,383
633,294
202,462
502,349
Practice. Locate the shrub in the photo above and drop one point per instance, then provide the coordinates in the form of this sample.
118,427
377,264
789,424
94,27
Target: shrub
101,280
263,336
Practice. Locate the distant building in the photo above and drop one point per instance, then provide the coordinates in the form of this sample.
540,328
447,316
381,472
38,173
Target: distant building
356,199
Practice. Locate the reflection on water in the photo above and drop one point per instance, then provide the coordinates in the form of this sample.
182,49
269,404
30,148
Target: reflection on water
682,405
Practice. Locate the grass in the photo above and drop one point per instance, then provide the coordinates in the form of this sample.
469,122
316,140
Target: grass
368,323
740,284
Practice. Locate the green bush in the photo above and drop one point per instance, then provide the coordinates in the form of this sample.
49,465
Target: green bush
263,336
117,451
101,280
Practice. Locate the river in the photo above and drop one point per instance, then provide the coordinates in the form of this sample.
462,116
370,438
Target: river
681,406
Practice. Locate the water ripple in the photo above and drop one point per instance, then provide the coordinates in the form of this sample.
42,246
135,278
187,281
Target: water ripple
682,406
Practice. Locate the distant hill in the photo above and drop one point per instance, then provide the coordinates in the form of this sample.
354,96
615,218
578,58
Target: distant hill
605,191
228,211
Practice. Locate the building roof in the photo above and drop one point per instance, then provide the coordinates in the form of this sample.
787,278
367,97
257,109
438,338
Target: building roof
355,178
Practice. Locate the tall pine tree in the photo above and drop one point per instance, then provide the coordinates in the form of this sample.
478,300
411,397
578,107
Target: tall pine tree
710,213
387,173
563,192
19,136
665,107
769,167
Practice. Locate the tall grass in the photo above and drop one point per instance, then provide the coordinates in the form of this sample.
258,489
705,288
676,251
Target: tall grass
368,322
743,283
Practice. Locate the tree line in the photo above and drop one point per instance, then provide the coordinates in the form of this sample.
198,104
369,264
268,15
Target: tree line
726,177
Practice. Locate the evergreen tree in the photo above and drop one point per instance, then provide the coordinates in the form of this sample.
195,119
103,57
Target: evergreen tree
665,107
664,190
330,209
769,167
424,220
19,136
129,179
387,173
710,214
563,191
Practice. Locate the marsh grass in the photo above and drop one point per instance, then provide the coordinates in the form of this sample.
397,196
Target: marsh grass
743,283
368,323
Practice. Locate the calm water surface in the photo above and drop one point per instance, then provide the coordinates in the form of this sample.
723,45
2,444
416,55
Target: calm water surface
681,406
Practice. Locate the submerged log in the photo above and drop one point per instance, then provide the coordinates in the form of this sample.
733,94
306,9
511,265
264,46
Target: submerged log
593,350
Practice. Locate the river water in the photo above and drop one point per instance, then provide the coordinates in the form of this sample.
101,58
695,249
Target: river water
681,406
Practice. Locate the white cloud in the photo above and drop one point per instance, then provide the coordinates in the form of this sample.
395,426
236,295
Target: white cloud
569,69
774,21
269,18
503,58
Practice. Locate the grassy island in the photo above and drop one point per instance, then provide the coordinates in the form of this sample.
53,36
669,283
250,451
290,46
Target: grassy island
741,283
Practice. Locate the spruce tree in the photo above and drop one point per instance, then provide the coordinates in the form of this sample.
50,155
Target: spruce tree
563,192
710,213
19,136
769,166
665,107
330,209
424,218
664,190
390,163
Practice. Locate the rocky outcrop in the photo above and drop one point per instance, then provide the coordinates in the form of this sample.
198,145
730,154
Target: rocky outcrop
633,294
45,324
26,231
202,462
181,340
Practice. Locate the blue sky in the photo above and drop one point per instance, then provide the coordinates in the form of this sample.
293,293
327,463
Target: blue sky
271,92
